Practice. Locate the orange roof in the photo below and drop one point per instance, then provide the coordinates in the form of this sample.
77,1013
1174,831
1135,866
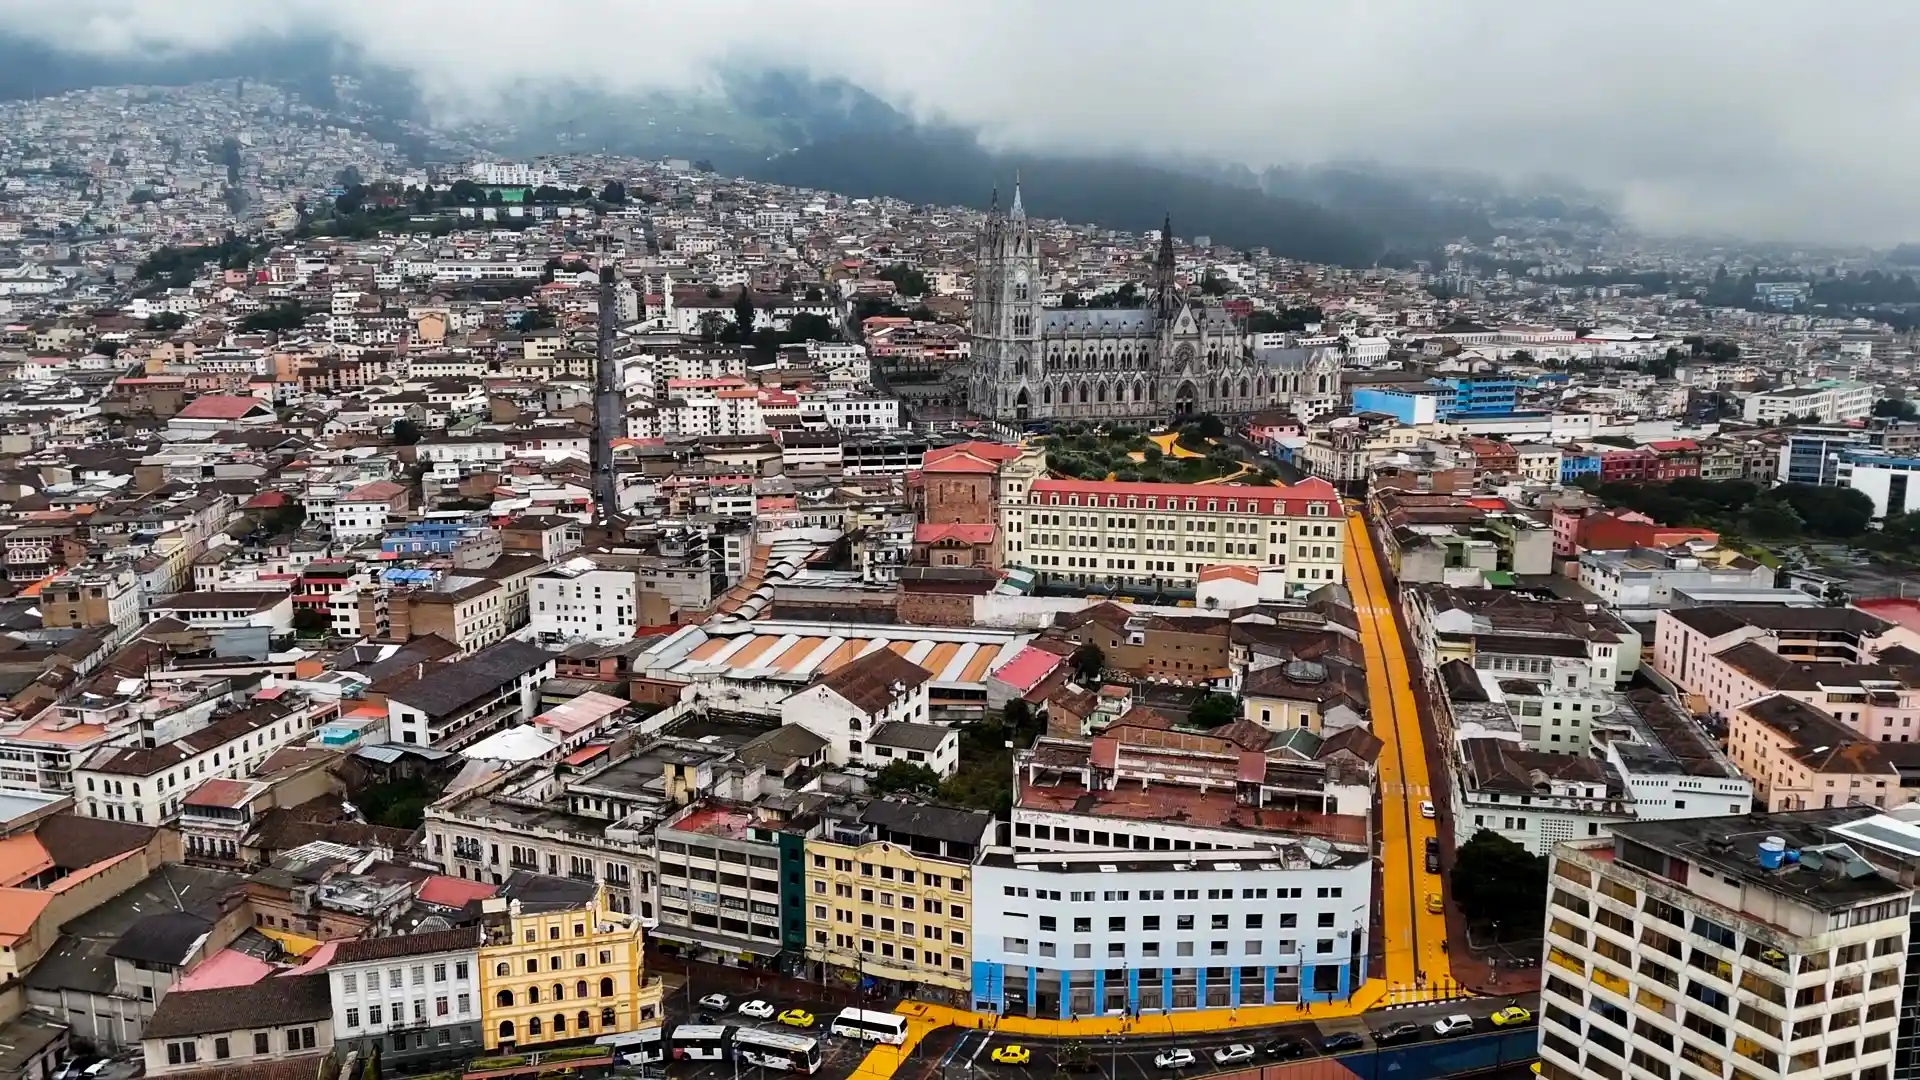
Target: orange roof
968,457
444,891
1248,574
22,858
19,910
33,590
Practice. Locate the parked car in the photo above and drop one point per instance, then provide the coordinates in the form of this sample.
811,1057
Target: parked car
757,1009
1396,1033
1286,1049
1457,1024
1341,1042
1433,855
1013,1054
1175,1059
1230,1055
1511,1016
717,1001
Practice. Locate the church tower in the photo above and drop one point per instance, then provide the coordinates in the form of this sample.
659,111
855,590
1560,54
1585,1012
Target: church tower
1006,315
1166,295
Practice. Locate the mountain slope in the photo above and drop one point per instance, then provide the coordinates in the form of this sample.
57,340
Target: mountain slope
950,167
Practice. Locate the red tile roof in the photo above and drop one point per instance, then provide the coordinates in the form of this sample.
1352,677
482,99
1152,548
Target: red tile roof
966,534
1028,667
441,890
1288,500
220,407
968,457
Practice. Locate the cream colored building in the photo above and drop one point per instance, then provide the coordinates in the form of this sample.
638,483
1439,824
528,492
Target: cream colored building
1799,757
558,965
890,896
1098,532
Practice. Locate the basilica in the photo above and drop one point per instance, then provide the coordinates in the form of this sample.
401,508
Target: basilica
1173,357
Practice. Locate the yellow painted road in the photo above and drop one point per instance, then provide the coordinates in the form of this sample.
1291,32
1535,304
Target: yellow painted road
1371,994
1413,934
882,1061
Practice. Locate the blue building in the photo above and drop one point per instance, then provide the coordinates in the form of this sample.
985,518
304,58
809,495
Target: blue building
425,538
1479,395
1411,405
1575,464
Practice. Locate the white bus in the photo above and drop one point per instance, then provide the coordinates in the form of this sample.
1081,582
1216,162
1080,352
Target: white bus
636,1048
777,1050
697,1042
870,1026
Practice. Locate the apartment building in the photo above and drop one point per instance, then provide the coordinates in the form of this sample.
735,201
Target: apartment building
96,596
558,965
448,706
147,782
1830,401
1801,757
889,887
1860,668
1638,582
1766,944
413,998
730,882
1096,532
1187,865
232,1026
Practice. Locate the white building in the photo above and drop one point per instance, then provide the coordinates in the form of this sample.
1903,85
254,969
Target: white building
580,598
513,174
850,704
1790,945
1831,402
415,997
146,781
1887,479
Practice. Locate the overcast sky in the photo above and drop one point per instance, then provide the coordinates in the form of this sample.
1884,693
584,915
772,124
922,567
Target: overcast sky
1775,119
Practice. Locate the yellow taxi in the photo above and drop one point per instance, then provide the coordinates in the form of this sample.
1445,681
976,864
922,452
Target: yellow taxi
1511,1015
1433,903
1014,1054
799,1018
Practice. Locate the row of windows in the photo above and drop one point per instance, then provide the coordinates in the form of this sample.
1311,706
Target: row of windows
396,977
442,1008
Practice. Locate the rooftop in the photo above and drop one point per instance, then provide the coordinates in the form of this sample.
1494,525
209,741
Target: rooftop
1730,847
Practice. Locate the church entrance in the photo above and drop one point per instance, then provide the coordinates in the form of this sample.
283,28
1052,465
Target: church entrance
1183,400
1020,404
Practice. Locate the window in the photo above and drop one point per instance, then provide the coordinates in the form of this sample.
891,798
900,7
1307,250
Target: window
181,1053
259,1042
353,1018
220,1048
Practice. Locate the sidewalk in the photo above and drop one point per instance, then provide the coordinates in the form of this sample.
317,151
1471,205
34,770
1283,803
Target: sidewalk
1371,994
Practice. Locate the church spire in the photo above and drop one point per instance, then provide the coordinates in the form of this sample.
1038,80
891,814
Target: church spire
1166,296
1018,211
993,205
1166,245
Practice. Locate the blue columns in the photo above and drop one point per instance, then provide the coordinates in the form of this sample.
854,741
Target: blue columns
1269,982
1199,988
1166,989
1233,985
1099,992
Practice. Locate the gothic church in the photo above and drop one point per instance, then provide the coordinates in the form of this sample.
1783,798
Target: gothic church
1171,358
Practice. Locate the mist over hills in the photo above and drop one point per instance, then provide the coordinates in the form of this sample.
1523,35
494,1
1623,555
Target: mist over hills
789,127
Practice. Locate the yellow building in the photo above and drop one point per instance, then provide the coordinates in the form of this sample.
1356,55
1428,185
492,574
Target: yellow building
559,965
889,893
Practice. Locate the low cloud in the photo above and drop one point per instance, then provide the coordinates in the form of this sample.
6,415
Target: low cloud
1775,120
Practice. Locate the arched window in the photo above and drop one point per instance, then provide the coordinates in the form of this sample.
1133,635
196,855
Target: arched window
1086,392
533,1026
533,997
1046,394
506,1029
1139,391
586,1020
1323,384
559,1023
606,1017
1243,386
606,987
559,992
1100,394
504,999
580,989
501,970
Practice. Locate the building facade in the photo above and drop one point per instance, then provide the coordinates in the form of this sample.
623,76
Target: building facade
1171,357
414,997
557,965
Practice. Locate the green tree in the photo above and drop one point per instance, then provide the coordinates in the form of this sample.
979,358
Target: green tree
1089,661
1214,710
1828,511
809,327
813,294
405,432
907,280
349,177
166,321
744,313
313,621
1896,409
710,325
278,318
1213,284
905,776
1017,715
1498,881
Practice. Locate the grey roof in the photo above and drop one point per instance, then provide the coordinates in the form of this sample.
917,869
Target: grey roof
538,892
80,960
927,737
781,746
949,823
275,1001
448,688
167,937
1124,321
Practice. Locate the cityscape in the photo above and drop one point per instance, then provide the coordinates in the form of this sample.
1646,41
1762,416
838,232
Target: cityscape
470,614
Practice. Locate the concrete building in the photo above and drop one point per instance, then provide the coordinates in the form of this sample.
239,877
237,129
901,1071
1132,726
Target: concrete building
1790,945
1800,757
414,997
1096,532
848,705
1828,402
889,896
273,1019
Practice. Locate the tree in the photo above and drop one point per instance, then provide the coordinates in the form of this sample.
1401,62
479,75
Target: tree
1896,409
405,432
1089,662
744,315
278,318
309,620
166,321
710,325
813,294
1827,511
1017,714
1213,284
348,177
536,318
906,279
1206,426
1498,881
1214,710
703,165
809,327
905,776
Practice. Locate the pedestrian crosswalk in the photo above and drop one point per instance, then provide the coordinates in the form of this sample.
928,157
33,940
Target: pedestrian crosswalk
1406,791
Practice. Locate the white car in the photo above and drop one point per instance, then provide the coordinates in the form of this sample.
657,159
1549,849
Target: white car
757,1009
1174,1059
1227,1055
716,1001
1426,809
1457,1024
